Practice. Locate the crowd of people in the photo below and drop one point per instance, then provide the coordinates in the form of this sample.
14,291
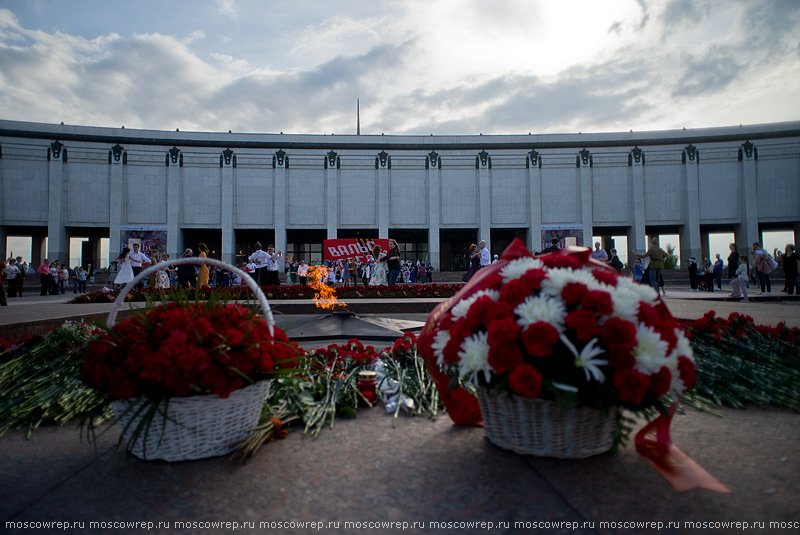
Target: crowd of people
388,267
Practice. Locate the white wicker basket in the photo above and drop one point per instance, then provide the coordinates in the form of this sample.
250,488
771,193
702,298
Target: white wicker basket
195,427
533,426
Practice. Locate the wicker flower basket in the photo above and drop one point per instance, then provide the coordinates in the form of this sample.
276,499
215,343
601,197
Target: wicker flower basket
533,426
194,427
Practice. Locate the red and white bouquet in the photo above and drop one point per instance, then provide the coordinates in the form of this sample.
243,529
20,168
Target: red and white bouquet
562,327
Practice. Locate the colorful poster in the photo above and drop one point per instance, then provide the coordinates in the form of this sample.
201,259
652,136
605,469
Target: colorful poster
356,248
150,239
566,236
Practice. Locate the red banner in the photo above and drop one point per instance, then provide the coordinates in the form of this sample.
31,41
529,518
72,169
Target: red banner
357,249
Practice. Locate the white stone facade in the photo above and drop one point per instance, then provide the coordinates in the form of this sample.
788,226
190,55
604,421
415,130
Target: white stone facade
60,181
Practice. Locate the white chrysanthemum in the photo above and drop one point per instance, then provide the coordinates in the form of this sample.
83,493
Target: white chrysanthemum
587,360
650,351
460,310
560,277
474,357
439,342
626,304
643,292
516,268
551,310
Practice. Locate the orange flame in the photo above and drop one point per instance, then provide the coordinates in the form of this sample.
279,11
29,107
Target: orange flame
325,296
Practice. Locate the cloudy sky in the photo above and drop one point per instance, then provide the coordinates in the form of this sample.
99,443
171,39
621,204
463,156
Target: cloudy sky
417,66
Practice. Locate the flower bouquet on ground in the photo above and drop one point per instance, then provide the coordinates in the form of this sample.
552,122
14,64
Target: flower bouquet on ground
187,379
556,347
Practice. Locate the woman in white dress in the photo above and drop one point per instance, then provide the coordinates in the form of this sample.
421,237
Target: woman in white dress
162,277
380,274
125,274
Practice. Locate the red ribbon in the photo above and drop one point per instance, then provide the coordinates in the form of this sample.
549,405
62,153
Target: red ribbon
653,443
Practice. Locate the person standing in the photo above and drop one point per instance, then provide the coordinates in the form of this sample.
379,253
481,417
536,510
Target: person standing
393,262
599,254
656,255
693,274
44,276
379,275
12,274
718,272
259,261
3,299
302,272
272,267
790,269
187,276
614,261
139,261
763,267
423,275
203,274
474,263
23,268
125,273
486,256
733,261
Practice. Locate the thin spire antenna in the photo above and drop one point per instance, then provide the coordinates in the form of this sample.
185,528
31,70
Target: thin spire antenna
358,117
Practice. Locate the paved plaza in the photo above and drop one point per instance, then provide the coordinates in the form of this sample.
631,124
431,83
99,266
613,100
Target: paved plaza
364,476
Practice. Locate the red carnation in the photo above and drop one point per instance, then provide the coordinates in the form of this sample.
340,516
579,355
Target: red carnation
687,371
574,292
525,381
648,314
505,357
516,291
659,382
504,331
621,358
618,333
584,322
538,339
600,301
631,385
606,276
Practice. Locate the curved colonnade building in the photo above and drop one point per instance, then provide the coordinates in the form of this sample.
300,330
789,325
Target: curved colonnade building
433,194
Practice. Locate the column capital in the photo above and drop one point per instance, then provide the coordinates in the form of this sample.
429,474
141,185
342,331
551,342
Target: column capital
636,155
483,160
691,152
748,151
585,157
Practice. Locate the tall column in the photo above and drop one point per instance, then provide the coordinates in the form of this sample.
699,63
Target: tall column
58,241
585,164
637,240
534,164
279,209
748,187
174,239
434,163
483,162
116,190
690,232
227,163
3,250
383,178
332,165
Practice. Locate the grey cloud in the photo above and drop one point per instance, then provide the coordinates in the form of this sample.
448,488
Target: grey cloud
709,74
